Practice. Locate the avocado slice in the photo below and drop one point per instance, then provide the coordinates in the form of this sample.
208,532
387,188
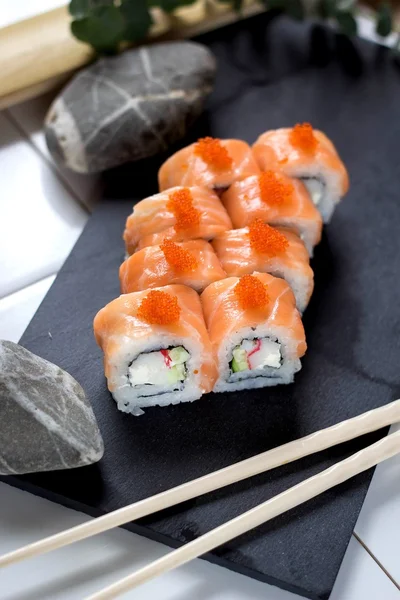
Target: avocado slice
239,361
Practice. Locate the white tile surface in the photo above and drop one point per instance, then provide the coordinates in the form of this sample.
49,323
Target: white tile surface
366,29
75,571
17,310
40,221
16,10
378,525
30,116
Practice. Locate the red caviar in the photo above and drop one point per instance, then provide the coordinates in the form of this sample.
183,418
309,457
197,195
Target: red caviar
178,258
159,308
180,203
274,190
213,153
266,239
251,292
302,137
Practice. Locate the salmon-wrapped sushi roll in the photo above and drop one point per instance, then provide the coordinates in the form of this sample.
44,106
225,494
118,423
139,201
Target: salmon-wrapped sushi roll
307,154
211,163
256,331
262,248
156,348
279,201
192,263
179,214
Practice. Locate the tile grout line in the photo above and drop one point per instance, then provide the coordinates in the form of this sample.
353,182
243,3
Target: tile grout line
25,287
378,562
49,163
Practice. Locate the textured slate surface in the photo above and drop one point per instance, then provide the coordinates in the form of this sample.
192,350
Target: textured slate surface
270,75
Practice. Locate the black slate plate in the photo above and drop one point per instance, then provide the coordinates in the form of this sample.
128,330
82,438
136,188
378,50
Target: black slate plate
271,74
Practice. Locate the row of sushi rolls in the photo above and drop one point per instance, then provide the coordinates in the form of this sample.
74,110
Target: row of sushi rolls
218,271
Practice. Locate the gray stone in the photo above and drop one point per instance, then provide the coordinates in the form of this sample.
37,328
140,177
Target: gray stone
46,421
130,106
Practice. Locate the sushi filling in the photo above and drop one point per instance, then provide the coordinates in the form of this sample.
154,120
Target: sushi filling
316,189
252,358
163,370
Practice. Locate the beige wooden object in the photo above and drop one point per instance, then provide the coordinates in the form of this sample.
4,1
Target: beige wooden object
37,54
315,442
294,496
40,53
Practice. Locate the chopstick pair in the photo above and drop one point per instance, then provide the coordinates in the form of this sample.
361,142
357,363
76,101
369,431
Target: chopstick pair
321,440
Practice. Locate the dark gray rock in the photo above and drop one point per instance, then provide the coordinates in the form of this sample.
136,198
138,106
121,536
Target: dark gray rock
46,421
130,106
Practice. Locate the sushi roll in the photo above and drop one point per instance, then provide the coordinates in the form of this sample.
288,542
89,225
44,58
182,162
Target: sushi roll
156,348
307,154
256,331
279,201
262,248
192,263
211,163
179,214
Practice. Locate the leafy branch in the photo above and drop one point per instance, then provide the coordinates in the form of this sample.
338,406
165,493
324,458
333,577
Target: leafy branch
106,24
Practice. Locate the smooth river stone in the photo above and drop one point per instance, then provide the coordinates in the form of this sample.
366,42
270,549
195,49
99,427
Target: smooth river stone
46,421
130,106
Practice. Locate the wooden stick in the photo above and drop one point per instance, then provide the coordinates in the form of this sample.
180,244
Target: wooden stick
294,496
38,49
341,432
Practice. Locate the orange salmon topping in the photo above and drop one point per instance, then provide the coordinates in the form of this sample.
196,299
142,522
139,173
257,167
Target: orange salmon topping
250,292
273,190
302,137
266,239
178,258
159,308
213,153
180,203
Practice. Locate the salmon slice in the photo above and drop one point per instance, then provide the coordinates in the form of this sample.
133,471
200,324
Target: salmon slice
211,163
279,201
180,214
309,155
248,315
137,324
192,263
279,252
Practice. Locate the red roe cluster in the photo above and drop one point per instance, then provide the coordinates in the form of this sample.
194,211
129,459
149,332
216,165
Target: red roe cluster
302,137
274,190
180,203
159,308
178,258
212,152
251,292
265,239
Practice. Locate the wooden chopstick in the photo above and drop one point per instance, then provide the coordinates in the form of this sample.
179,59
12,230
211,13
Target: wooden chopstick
294,496
325,438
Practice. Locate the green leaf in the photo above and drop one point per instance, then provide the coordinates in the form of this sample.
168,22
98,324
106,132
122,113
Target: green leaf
103,29
83,8
137,19
326,8
347,23
79,8
237,5
295,9
171,5
384,20
275,4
